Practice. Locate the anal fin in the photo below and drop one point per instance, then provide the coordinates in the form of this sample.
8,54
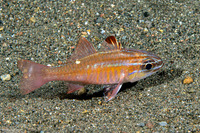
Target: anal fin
74,87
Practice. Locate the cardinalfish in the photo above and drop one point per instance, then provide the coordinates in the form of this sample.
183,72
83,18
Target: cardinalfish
111,65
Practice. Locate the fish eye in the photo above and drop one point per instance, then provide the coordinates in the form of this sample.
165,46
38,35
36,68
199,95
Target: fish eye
148,65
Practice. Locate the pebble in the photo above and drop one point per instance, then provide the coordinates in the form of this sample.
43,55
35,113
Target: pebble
187,80
141,124
1,37
32,19
163,123
5,77
103,31
99,20
84,33
150,124
1,28
81,91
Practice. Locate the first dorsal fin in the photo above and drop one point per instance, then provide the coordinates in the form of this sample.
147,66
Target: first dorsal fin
83,48
110,43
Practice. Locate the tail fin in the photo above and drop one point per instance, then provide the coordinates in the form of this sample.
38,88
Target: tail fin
33,76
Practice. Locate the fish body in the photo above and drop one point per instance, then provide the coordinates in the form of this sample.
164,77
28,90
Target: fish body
111,65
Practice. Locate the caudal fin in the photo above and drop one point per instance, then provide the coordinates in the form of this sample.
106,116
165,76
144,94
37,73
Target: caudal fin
33,76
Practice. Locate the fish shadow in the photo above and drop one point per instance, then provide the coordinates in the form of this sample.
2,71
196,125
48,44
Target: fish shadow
84,96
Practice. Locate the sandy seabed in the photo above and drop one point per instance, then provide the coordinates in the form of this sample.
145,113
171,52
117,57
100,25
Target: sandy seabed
47,33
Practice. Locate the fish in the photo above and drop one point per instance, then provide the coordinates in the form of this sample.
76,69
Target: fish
111,65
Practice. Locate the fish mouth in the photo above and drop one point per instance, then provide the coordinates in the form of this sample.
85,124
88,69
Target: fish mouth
160,64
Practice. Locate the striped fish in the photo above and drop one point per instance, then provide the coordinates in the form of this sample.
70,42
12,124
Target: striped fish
111,65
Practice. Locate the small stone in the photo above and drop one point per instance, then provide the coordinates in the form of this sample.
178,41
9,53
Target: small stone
84,33
60,62
99,20
1,28
86,22
1,37
100,103
187,80
81,91
102,15
141,124
115,29
4,44
191,90
145,30
32,19
88,32
85,111
8,121
161,30
150,124
163,123
103,31
112,5
7,59
5,77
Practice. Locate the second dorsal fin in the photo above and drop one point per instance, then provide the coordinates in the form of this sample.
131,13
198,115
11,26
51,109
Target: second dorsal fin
110,44
83,48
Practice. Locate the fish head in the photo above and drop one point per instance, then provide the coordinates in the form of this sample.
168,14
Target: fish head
142,64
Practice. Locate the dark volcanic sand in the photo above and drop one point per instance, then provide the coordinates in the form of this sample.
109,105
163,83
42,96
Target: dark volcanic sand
47,32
